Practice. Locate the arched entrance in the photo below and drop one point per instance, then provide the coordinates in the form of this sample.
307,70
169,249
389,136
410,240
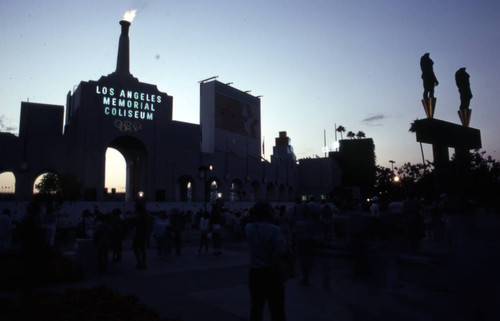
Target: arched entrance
7,185
184,189
214,188
237,192
135,155
115,175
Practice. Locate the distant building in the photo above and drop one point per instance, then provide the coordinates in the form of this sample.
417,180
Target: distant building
318,177
357,161
283,150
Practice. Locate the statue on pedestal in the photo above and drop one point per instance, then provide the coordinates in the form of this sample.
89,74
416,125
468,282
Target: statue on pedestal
430,81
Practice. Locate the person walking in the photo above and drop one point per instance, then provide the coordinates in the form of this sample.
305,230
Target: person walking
32,241
310,248
177,227
102,239
265,243
216,223
160,233
141,225
204,229
118,232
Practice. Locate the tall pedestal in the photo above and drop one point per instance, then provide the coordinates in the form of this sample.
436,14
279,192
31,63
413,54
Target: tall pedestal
444,135
429,106
464,115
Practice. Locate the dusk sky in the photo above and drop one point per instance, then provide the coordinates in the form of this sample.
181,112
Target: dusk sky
316,63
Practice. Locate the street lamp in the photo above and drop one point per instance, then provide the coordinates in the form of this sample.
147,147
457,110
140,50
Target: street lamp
205,169
395,178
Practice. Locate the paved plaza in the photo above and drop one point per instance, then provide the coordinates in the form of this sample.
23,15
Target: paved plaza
420,285
375,280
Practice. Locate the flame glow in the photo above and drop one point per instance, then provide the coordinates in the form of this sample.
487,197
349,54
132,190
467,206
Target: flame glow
129,15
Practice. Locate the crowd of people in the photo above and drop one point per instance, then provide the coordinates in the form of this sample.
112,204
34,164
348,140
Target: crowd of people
305,229
426,219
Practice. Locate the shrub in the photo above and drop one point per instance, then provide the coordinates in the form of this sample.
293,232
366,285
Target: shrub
97,303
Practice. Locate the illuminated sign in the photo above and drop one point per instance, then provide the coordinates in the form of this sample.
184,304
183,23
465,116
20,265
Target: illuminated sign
128,103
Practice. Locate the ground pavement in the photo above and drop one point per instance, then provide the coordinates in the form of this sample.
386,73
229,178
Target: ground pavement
209,287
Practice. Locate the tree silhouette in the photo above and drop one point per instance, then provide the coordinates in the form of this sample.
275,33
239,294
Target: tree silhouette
360,135
351,135
341,130
413,127
63,187
49,184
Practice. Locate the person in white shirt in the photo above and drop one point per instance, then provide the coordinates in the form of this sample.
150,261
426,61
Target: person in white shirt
204,229
265,242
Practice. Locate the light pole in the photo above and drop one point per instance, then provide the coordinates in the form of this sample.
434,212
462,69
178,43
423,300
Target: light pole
395,178
205,169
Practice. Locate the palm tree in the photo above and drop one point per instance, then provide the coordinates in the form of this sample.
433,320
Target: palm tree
360,135
341,129
351,135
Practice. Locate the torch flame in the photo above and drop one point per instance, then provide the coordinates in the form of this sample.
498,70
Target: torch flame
129,15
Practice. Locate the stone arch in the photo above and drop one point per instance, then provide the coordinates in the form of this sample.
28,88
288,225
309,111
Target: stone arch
136,159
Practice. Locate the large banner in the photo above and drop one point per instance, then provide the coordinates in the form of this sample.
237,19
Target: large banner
236,116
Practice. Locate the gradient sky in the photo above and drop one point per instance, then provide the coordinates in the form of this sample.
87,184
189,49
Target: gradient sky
316,63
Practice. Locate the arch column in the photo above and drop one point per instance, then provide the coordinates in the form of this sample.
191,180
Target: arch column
24,186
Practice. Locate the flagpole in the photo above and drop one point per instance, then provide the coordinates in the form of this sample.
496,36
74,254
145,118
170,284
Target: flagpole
263,146
324,141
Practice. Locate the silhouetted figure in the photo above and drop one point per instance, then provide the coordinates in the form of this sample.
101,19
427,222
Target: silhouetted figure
32,238
326,219
88,222
428,76
49,223
463,84
102,239
216,223
411,210
118,232
204,229
265,242
160,233
310,248
177,226
141,226
237,228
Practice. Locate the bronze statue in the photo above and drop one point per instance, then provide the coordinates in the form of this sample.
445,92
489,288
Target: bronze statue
463,84
428,76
